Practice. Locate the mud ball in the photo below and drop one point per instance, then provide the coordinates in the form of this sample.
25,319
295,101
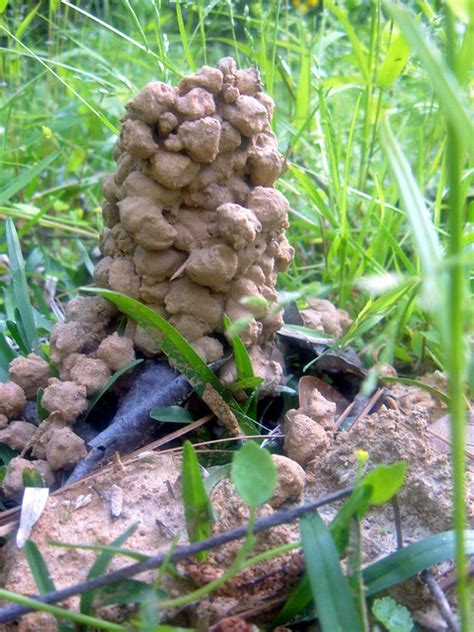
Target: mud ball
12,399
31,373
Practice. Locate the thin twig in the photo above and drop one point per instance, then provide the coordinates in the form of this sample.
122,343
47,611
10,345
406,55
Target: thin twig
440,599
11,613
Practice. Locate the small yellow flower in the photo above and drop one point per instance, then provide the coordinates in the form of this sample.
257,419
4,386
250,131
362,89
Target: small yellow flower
362,456
305,6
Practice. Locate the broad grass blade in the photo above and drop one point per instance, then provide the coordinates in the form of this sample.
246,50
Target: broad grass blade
423,231
330,589
20,286
197,508
413,559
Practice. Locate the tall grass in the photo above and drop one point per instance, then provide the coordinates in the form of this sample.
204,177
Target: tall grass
67,68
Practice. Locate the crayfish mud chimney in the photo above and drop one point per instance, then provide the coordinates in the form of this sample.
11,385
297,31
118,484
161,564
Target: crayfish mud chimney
193,223
192,226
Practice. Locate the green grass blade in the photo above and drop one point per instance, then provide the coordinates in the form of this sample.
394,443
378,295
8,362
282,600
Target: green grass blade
447,88
330,589
136,21
38,568
99,567
104,120
184,37
413,559
164,60
20,285
197,508
98,548
24,179
25,23
243,363
357,46
423,231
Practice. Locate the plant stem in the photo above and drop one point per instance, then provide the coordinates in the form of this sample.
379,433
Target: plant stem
84,619
455,356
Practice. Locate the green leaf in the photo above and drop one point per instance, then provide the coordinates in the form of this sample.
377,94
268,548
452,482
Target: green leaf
299,600
412,559
215,474
3,5
448,90
384,482
20,286
25,23
99,567
108,384
42,577
125,592
38,568
330,589
197,508
355,506
177,348
397,56
171,414
32,478
17,336
7,454
7,354
395,617
3,473
253,474
243,363
248,383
